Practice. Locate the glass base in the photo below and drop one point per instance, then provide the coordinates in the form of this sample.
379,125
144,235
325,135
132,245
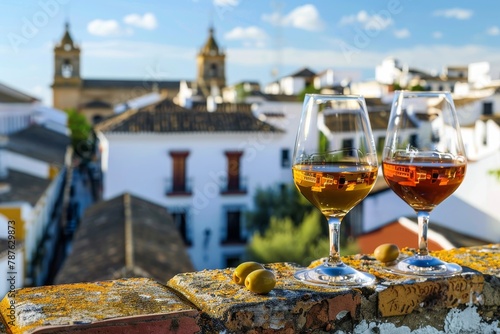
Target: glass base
336,275
425,265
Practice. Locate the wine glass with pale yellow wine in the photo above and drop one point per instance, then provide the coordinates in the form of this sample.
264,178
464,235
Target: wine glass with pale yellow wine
334,168
423,162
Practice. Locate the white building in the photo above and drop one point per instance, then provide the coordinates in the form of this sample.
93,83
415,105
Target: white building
291,84
204,167
33,169
34,157
19,110
472,208
475,75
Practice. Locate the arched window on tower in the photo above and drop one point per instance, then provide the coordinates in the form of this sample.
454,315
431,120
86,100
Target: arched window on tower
212,71
67,69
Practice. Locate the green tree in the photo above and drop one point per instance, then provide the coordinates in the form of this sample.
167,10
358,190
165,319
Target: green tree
82,136
284,241
241,93
308,90
288,228
495,173
417,88
396,86
278,202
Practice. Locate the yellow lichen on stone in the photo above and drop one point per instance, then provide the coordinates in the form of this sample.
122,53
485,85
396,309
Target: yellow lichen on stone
88,302
485,259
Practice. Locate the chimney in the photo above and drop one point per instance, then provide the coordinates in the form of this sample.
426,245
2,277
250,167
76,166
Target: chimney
3,157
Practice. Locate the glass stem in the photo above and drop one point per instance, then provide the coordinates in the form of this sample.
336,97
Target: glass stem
334,227
423,225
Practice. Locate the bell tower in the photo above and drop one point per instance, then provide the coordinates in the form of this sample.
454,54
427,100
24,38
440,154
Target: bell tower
211,63
67,81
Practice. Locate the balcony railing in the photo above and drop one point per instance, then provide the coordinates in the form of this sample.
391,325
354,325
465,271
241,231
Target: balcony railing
178,188
230,186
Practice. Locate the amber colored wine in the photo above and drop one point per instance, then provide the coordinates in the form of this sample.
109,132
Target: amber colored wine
334,188
423,184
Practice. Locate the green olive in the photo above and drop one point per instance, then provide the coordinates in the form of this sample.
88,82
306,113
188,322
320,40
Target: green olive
386,252
241,272
260,281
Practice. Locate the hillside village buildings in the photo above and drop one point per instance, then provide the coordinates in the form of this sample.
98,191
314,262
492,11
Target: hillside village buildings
35,156
96,98
187,159
200,149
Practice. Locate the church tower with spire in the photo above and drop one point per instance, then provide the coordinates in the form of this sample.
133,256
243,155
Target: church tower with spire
211,65
67,83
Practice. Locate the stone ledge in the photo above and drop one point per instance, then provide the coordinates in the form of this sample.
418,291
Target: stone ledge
209,302
137,304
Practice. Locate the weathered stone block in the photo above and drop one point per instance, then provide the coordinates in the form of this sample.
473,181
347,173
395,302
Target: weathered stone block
291,306
404,298
136,305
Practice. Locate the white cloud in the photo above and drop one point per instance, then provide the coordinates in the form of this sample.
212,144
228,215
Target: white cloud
106,28
493,31
454,13
369,22
304,17
251,36
402,33
146,21
437,34
223,3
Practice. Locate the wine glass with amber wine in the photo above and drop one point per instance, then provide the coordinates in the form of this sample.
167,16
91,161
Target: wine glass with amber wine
334,168
423,163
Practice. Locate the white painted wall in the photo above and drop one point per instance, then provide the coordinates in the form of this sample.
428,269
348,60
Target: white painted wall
292,85
25,164
17,116
481,191
141,164
38,217
324,79
272,88
14,117
471,210
38,223
367,88
8,276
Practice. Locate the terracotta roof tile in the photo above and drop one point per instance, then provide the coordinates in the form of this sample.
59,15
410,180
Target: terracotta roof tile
167,117
304,72
23,187
40,143
100,249
11,95
225,107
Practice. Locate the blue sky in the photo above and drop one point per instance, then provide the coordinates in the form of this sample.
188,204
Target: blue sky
263,39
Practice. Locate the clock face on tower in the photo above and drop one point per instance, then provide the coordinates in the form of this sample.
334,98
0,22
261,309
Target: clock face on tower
67,47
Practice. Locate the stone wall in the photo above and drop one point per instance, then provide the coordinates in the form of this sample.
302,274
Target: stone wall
209,302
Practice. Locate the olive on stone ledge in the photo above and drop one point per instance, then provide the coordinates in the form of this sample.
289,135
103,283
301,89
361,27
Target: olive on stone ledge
386,253
260,281
241,272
